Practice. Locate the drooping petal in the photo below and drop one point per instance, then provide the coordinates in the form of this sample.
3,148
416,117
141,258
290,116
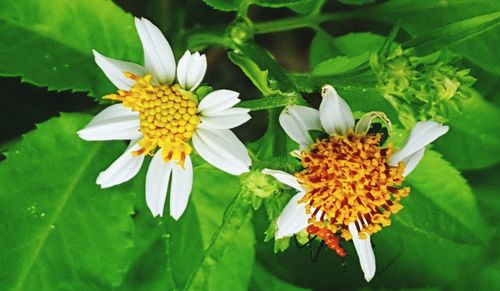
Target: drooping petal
365,122
293,218
191,70
158,56
157,180
335,115
218,100
225,119
182,182
115,69
122,169
365,253
296,121
412,161
422,134
222,149
284,178
116,122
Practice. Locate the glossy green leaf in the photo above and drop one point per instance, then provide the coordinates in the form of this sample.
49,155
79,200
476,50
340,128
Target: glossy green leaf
211,198
357,2
324,46
268,102
49,43
59,229
451,195
340,65
473,141
224,5
278,78
360,93
480,49
454,33
169,251
265,281
307,7
258,76
279,3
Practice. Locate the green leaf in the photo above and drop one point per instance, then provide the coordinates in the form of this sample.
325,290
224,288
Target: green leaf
211,199
253,72
265,281
360,92
224,5
324,46
202,38
485,184
266,62
357,2
269,102
449,194
279,3
473,141
340,65
59,229
49,43
308,7
168,251
454,33
480,49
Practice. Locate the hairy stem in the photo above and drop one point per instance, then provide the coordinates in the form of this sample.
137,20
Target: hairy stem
236,215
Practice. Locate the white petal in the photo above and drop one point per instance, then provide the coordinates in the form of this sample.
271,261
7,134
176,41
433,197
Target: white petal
225,119
191,70
284,178
116,122
293,218
157,180
422,134
182,182
365,122
158,56
335,114
412,161
123,169
222,149
296,121
218,100
115,69
365,252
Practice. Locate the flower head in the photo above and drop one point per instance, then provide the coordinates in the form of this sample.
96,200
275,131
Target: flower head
350,184
165,119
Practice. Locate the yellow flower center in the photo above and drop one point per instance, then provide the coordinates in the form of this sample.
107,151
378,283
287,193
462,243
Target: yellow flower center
348,179
168,116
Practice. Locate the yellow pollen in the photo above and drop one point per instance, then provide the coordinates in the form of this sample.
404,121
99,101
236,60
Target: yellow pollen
348,179
168,116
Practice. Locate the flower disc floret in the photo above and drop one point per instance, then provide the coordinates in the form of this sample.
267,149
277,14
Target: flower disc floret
349,179
167,113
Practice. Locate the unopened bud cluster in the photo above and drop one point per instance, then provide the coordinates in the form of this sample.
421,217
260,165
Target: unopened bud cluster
422,88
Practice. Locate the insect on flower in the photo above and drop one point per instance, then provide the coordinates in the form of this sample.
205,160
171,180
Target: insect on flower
161,118
350,184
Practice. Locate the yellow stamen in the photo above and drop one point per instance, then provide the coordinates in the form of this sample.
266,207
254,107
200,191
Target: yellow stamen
348,179
168,116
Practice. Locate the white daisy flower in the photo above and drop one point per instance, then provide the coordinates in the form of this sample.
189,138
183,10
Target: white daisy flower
350,184
161,118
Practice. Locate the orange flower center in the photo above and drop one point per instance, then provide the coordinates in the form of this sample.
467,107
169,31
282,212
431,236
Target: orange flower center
348,179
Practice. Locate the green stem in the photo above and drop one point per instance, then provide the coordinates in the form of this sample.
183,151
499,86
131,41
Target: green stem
169,269
270,102
237,213
299,22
